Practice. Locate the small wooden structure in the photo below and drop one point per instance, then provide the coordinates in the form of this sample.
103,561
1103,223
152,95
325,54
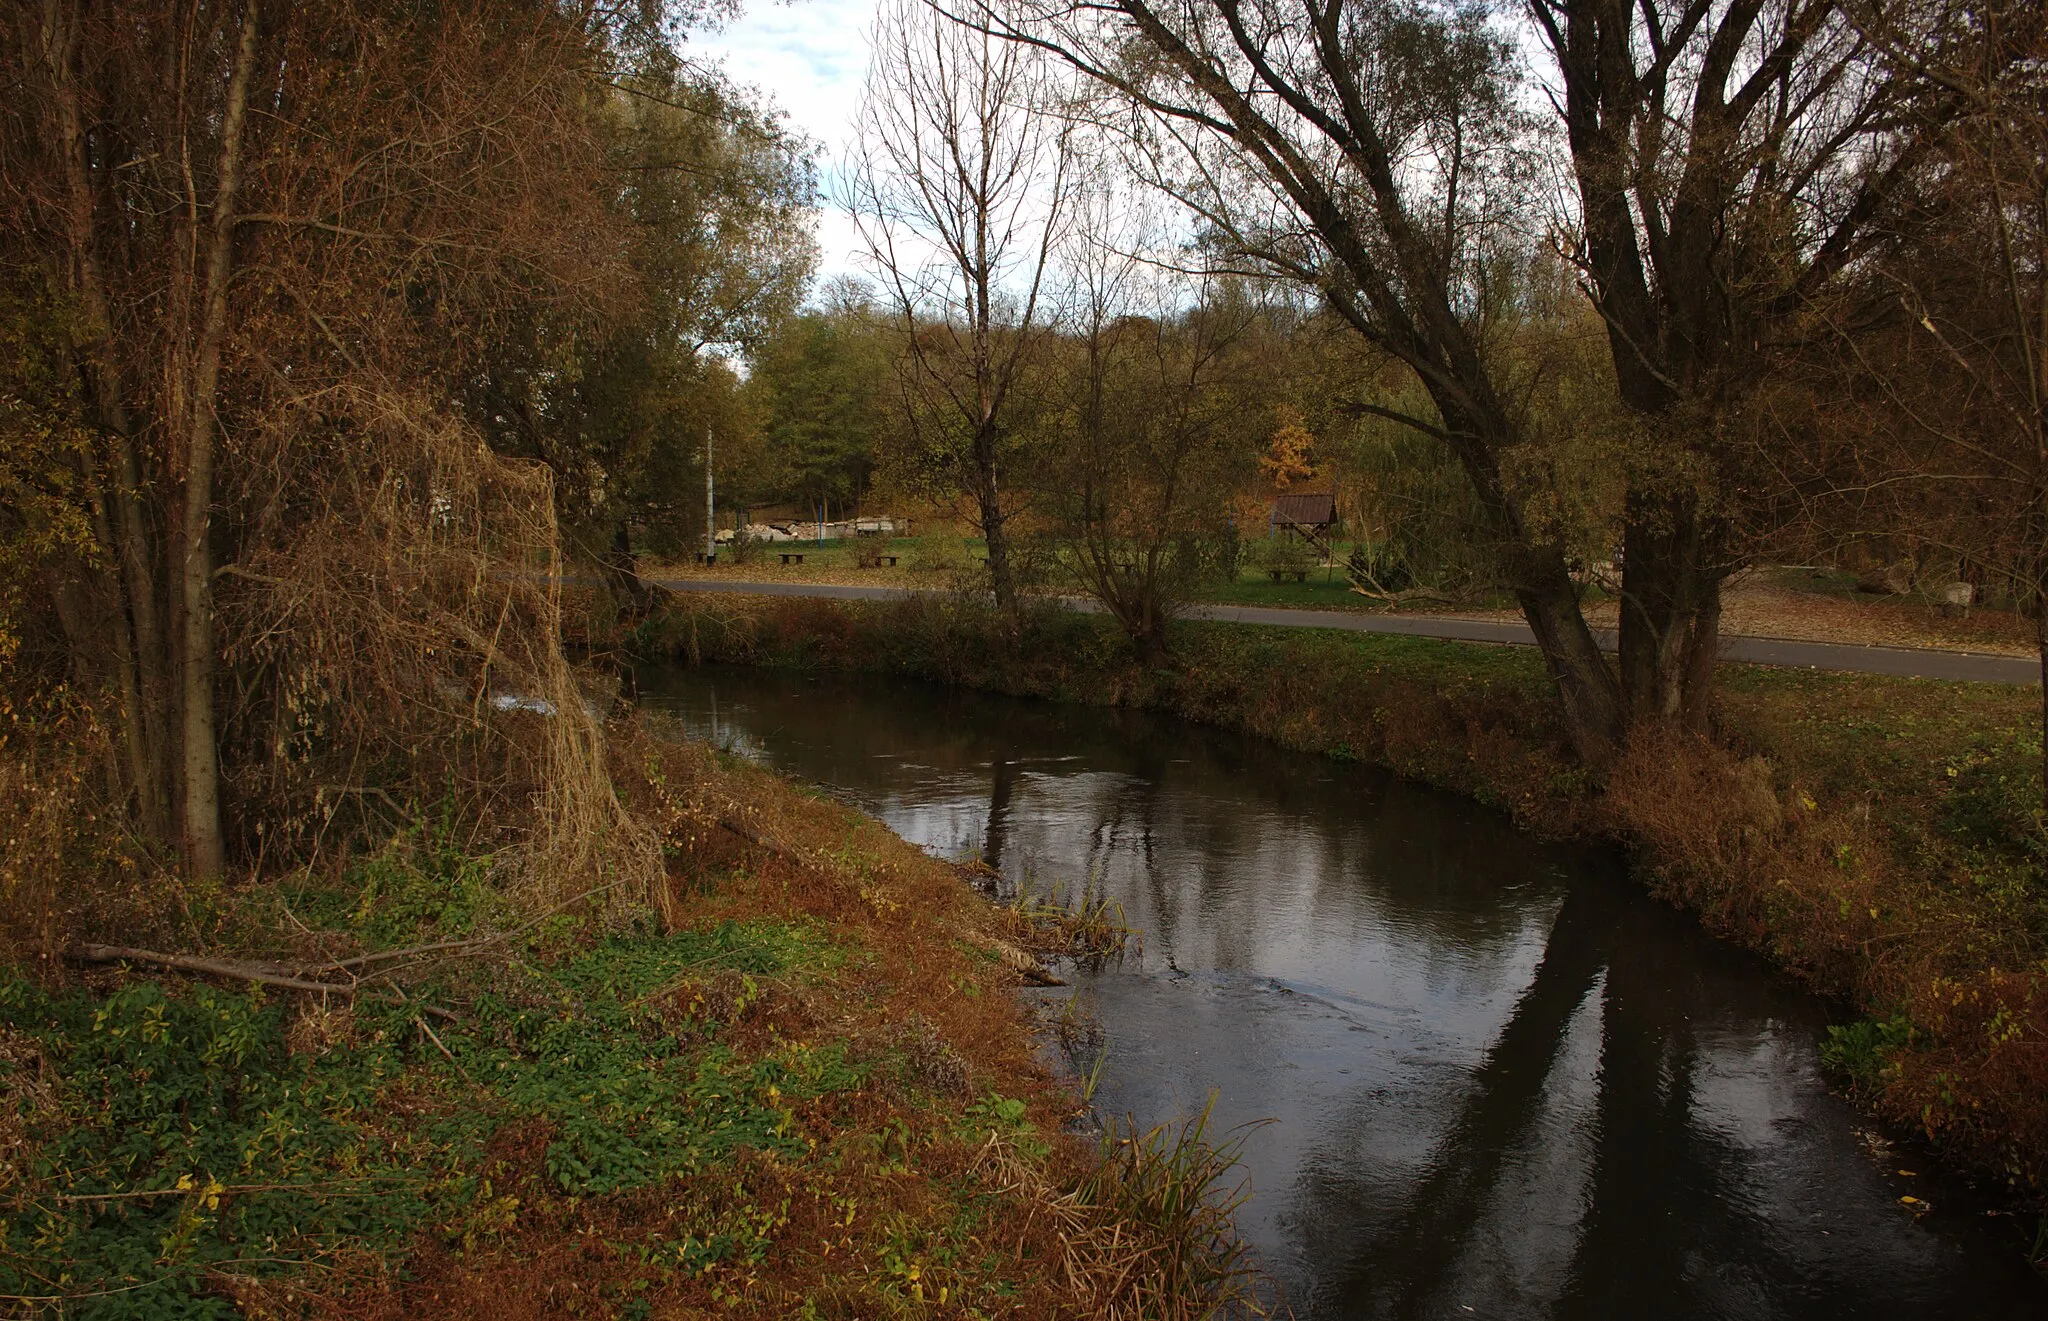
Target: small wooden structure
1309,515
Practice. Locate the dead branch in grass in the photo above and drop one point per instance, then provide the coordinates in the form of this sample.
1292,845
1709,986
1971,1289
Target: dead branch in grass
262,974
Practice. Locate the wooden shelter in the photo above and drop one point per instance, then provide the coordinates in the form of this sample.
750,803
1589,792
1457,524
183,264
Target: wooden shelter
1310,515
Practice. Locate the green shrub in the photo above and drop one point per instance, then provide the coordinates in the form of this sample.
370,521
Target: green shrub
1287,554
178,1136
1994,801
1862,1051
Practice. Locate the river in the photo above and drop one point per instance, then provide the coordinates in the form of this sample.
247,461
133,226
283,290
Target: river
1500,1080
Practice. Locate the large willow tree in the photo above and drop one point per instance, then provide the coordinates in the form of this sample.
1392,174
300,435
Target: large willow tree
1711,168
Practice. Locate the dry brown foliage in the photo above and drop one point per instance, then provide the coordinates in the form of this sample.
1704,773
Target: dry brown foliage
312,599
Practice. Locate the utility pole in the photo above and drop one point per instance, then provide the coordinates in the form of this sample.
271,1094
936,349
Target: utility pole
710,510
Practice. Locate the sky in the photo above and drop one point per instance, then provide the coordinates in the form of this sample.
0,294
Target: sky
810,58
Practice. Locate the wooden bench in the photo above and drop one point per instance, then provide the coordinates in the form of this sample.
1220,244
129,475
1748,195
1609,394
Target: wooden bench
792,557
707,558
1300,575
876,560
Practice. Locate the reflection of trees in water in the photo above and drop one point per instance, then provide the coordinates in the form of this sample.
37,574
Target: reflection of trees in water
1217,801
1002,784
1667,1227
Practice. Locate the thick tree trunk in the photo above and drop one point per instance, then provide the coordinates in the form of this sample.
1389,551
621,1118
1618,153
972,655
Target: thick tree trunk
1536,573
621,569
1585,686
1670,612
204,849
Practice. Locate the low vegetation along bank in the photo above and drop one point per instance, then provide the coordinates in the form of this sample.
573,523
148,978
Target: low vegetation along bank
805,1090
1878,837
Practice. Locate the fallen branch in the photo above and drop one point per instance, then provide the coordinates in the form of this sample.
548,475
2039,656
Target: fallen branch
269,974
266,974
385,956
442,1046
1407,597
759,840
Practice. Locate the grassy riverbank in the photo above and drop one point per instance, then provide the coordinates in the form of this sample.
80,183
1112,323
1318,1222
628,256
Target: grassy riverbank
807,1092
1876,836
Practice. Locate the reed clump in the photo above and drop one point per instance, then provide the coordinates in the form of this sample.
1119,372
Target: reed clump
1085,925
1149,1232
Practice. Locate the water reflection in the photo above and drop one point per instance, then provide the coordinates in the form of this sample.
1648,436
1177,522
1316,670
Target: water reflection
1503,1082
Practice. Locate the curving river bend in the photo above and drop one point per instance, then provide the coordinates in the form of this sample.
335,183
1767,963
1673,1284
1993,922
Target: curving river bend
1504,1082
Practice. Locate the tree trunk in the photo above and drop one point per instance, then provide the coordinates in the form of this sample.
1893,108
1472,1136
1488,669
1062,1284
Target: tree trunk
204,850
139,646
989,505
1587,693
2041,644
1670,612
1586,688
621,569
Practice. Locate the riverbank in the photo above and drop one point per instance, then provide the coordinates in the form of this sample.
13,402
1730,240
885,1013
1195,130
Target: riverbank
1874,836
807,1092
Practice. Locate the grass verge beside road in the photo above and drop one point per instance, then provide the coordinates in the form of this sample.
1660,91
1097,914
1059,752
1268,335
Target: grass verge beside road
1878,837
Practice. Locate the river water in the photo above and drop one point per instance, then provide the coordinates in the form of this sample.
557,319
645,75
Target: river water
1500,1080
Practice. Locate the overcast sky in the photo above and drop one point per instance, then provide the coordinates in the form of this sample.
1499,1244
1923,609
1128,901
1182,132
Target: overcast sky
809,57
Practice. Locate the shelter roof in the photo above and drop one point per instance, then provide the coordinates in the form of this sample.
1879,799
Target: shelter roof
1306,508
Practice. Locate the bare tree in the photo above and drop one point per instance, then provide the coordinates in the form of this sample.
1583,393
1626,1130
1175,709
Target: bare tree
959,190
1375,154
1159,424
1928,420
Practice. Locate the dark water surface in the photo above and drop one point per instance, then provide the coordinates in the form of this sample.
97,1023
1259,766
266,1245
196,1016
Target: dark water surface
1504,1082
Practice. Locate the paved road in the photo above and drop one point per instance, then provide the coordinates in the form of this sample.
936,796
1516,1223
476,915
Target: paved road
1908,662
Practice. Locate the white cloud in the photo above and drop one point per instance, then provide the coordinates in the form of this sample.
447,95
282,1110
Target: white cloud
810,58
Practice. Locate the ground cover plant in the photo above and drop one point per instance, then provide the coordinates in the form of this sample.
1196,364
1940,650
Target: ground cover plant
805,1092
1879,837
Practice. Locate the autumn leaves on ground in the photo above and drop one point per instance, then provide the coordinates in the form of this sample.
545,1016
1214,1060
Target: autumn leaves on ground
806,1091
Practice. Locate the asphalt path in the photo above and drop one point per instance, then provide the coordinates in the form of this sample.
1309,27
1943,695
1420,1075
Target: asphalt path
1903,662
